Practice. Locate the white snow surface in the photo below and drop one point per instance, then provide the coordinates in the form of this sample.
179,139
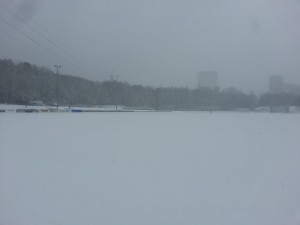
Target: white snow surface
150,168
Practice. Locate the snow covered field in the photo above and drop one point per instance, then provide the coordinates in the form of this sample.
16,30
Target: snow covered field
168,168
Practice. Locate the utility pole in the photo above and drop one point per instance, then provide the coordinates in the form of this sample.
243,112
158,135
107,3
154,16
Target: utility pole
112,76
157,98
57,67
114,83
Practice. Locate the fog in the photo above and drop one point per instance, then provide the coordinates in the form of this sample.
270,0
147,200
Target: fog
159,42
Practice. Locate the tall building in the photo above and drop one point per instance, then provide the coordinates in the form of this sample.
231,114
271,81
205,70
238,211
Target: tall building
292,88
276,84
207,79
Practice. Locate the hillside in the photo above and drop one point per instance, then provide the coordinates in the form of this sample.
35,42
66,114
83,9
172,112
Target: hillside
22,83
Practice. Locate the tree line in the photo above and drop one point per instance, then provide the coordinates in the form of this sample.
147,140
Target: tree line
23,83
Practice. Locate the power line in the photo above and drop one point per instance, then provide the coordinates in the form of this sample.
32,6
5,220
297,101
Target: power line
62,49
25,43
63,44
24,34
38,43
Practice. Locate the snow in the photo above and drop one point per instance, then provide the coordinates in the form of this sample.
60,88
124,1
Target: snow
145,168
11,108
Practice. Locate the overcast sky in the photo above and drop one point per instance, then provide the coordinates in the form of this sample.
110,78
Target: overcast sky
157,42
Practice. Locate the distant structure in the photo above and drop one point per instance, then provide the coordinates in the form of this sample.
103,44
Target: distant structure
207,79
292,88
277,85
113,77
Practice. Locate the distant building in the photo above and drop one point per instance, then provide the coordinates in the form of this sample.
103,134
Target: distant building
276,84
207,79
292,88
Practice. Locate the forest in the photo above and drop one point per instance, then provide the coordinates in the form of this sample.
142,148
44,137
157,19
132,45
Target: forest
25,83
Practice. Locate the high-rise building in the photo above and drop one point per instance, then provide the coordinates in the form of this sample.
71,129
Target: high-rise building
276,84
207,79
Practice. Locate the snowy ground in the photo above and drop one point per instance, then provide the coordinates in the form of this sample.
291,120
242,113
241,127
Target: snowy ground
13,108
168,168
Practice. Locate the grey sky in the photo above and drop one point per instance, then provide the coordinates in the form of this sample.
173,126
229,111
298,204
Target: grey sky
157,42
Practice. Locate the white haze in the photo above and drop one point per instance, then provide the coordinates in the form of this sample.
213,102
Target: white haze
159,42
